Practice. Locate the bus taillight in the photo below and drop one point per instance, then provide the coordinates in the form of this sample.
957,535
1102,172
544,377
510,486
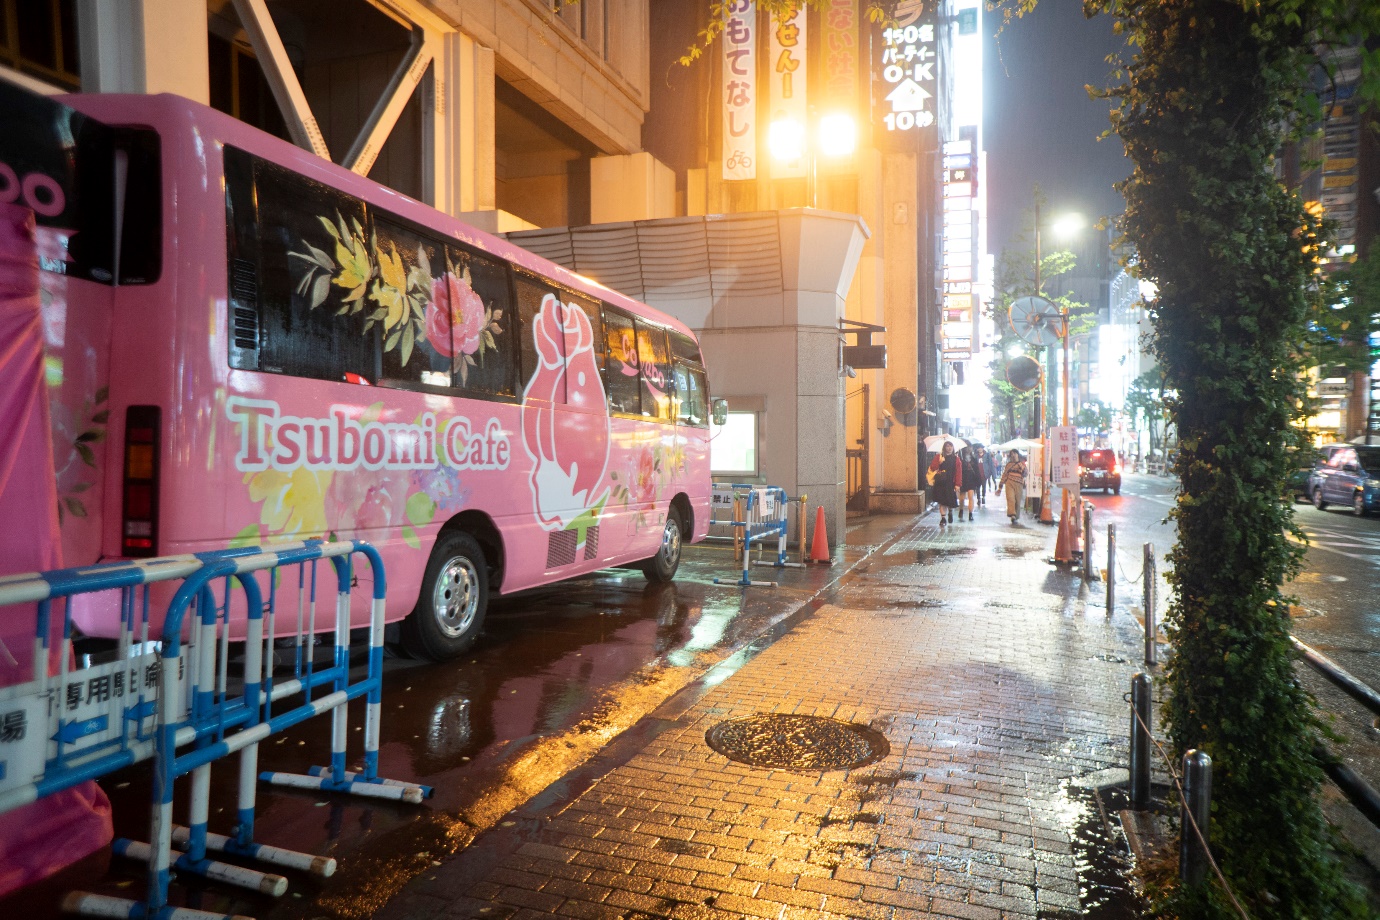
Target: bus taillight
139,524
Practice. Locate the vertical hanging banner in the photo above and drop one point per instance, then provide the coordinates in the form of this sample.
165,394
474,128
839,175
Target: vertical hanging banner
739,41
904,75
840,54
789,80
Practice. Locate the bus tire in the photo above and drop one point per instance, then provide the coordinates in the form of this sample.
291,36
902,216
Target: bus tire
662,567
453,600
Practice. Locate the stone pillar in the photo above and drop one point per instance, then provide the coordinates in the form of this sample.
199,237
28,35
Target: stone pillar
459,174
633,186
900,243
144,46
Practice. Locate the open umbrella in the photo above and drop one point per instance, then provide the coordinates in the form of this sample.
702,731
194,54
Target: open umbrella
936,442
1021,444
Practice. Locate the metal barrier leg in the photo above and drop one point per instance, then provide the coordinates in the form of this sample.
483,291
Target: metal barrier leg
1111,569
1152,654
1140,740
1196,809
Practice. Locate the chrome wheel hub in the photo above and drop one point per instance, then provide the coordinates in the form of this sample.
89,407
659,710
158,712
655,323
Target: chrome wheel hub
456,597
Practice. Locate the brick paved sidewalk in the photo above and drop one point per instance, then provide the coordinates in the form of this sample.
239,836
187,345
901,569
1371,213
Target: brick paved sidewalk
995,687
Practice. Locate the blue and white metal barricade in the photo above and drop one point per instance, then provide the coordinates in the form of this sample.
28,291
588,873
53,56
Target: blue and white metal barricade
174,701
764,512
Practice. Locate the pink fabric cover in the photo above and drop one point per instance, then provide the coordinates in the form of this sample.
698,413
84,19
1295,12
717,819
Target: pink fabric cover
38,839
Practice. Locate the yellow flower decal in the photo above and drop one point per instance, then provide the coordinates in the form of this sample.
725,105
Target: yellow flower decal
294,504
355,269
389,289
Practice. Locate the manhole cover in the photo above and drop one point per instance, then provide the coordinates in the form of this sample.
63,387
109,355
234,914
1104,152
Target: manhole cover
795,742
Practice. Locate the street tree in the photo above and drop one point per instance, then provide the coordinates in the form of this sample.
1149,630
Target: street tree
1207,94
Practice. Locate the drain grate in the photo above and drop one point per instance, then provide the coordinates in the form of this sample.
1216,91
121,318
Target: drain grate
796,742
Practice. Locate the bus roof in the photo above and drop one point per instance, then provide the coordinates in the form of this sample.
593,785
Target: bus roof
175,117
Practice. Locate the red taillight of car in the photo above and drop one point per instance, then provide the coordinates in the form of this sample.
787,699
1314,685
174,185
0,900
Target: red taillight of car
139,522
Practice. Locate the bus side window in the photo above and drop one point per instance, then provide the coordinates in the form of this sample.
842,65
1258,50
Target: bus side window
312,283
532,297
483,324
621,375
685,348
408,303
691,405
583,388
654,359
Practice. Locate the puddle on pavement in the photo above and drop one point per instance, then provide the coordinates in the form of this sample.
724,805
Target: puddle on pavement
1016,552
934,554
882,604
1101,855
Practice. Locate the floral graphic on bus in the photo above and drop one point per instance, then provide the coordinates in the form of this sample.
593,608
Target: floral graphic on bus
650,469
569,451
470,327
77,472
410,303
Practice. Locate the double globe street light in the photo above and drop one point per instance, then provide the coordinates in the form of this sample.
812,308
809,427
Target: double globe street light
836,135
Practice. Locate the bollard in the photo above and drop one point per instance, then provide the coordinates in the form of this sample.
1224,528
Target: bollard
1197,804
1152,653
800,519
1140,740
1088,542
1111,568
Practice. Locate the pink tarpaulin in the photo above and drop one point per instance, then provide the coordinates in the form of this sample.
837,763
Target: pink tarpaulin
38,839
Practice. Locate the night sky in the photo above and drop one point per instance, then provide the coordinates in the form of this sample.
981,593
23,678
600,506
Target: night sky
1041,126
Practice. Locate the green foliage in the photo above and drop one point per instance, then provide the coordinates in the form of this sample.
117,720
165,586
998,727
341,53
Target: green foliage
1343,315
1145,400
1212,89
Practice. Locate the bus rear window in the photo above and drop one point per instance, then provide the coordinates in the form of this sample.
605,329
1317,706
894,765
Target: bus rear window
75,173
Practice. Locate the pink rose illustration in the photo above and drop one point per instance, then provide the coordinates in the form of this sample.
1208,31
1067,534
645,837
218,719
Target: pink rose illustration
464,325
642,489
376,511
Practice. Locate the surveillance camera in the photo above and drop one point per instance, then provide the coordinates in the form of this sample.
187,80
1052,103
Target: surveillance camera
848,369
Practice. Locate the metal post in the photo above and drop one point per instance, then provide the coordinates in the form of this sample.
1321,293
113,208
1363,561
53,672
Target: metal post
1152,655
1111,568
1140,739
1088,542
800,520
1197,807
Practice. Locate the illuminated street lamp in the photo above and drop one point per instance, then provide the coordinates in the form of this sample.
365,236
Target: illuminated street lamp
836,135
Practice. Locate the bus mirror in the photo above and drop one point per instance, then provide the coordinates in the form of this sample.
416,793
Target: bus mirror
720,412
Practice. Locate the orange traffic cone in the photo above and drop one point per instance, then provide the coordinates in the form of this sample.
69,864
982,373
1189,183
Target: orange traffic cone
819,550
1063,544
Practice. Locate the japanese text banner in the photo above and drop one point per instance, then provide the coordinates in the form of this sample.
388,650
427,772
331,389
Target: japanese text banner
739,42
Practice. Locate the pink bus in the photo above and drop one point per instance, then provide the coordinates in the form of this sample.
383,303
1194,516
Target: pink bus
248,344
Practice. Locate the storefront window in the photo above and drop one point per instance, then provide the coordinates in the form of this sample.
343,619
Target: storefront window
733,448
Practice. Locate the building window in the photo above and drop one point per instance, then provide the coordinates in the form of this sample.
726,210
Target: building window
733,448
39,38
239,88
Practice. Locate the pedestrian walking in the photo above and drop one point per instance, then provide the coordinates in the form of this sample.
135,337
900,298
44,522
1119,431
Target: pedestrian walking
984,473
946,476
1013,480
972,477
993,460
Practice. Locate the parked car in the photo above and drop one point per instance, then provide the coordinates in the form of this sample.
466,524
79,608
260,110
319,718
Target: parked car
1099,469
1349,474
1302,464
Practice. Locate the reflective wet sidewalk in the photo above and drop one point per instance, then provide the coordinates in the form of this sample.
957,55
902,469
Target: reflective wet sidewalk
976,689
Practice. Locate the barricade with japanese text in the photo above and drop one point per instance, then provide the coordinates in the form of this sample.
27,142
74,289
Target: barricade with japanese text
179,695
758,513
